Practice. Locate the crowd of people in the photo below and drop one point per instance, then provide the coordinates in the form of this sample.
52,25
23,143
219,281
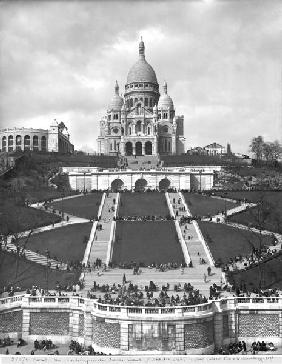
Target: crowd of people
75,348
133,295
144,218
257,256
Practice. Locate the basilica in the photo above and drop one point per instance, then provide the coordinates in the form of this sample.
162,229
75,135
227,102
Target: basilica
143,122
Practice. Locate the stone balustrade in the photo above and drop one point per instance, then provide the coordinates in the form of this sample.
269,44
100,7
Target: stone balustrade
196,329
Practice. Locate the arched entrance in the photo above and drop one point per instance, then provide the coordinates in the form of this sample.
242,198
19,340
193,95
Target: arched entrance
164,184
140,185
148,148
117,185
138,148
128,148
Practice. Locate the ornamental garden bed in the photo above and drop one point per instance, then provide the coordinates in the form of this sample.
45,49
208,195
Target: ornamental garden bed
143,204
271,205
227,242
30,273
82,206
201,205
146,242
67,243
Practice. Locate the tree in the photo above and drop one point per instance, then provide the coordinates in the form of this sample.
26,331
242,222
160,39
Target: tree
256,147
271,150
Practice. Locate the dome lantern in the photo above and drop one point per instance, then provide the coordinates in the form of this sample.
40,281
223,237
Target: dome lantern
165,101
141,49
142,71
117,101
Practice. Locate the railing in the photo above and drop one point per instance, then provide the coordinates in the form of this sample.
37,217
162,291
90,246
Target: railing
176,311
199,233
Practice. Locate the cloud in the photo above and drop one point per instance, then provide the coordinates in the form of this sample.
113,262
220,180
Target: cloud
221,60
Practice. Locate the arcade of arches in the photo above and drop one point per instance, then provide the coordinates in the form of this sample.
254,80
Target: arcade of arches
140,185
138,148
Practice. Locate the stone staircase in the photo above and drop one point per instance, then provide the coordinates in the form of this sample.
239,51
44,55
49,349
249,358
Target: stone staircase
146,162
99,247
35,257
195,246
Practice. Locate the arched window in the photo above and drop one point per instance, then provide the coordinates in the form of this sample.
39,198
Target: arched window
165,115
43,143
129,131
4,144
131,102
146,101
35,142
26,142
18,142
149,131
138,127
168,146
10,143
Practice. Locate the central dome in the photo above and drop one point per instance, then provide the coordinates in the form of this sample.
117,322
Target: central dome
141,71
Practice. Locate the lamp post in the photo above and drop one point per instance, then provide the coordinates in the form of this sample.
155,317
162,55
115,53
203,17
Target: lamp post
200,181
47,268
63,195
84,182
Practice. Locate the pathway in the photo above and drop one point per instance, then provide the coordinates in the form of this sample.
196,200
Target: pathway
34,257
101,239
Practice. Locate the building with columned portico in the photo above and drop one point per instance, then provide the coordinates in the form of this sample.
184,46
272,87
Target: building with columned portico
143,122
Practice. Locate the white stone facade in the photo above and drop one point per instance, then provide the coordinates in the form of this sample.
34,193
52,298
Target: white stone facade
143,122
45,140
92,178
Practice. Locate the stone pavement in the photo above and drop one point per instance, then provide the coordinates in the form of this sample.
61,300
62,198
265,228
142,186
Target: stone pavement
100,244
194,275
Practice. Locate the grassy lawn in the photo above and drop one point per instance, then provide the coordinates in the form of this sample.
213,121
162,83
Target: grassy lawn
82,206
31,273
226,242
272,203
15,218
65,243
271,274
200,205
143,204
146,242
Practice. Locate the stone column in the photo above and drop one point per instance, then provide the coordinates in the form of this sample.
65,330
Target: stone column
143,148
218,329
74,324
173,145
25,319
133,148
233,334
179,337
88,325
124,336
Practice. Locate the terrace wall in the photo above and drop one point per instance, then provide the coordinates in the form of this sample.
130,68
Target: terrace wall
135,330
197,178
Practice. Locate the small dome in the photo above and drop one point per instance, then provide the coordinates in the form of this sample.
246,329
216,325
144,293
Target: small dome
117,101
141,71
165,101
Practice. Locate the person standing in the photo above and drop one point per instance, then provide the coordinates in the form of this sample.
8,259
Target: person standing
209,270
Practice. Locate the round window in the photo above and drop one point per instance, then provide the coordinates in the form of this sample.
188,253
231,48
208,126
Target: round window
115,130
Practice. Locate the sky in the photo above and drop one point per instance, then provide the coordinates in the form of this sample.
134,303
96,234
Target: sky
221,59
